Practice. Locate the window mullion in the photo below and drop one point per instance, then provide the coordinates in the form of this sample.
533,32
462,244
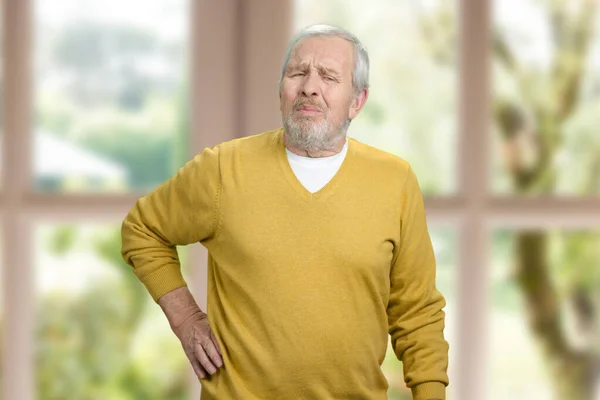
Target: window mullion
474,117
215,115
19,321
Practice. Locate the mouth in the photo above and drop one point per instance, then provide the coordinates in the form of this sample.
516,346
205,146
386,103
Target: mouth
308,110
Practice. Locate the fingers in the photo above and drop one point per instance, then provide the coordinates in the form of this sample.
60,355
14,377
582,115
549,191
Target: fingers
213,352
198,370
202,348
205,361
215,341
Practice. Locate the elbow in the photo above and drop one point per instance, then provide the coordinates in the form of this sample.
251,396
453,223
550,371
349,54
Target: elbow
133,234
127,238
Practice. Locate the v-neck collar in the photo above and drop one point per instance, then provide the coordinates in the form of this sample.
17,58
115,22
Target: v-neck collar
292,179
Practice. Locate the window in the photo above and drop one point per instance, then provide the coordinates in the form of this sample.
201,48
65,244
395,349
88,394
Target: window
545,98
494,104
105,122
98,333
544,312
109,98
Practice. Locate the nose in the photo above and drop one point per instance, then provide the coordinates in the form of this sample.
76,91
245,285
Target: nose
310,85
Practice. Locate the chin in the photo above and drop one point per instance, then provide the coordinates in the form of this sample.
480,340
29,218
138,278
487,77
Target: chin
310,135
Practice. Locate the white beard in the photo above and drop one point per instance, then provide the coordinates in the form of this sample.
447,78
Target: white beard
313,136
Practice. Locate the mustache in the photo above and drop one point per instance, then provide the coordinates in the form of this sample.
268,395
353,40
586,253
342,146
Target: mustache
303,103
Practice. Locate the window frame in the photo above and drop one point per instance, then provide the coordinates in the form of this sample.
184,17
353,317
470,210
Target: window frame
238,71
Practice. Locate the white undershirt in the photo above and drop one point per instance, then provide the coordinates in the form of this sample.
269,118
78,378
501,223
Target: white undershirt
314,173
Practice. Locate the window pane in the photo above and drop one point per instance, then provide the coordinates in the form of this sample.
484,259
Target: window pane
546,102
444,243
412,108
99,334
545,315
110,97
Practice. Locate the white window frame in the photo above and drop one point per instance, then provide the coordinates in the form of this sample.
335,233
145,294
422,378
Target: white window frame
237,50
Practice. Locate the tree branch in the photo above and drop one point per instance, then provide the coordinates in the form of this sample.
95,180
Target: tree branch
540,294
503,53
572,36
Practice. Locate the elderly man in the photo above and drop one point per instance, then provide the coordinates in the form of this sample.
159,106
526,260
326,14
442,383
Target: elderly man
317,248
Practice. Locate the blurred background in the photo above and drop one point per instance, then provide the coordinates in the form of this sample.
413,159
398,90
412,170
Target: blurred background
495,104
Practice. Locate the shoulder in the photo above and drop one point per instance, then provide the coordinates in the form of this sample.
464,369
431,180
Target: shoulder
263,140
244,153
252,144
382,162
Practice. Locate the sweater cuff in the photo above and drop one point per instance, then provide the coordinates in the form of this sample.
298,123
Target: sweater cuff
164,280
429,391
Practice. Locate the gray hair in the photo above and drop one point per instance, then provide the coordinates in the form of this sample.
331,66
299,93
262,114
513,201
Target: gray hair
360,74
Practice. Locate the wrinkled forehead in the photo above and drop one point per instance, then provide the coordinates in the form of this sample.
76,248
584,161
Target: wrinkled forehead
331,52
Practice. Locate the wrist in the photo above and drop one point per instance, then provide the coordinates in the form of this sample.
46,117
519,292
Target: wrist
179,325
180,307
429,391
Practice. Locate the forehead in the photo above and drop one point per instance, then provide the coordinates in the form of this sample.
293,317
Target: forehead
333,52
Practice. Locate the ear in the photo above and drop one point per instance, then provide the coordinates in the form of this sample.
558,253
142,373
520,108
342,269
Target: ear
358,101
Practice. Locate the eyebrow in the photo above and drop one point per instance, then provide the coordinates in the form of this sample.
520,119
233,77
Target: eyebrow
321,68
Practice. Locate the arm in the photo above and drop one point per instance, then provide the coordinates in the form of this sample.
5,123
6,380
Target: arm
415,316
182,210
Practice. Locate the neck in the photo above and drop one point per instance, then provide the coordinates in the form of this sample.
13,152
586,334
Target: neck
315,153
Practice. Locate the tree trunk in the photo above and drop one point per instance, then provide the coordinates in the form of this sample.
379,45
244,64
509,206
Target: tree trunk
573,378
574,374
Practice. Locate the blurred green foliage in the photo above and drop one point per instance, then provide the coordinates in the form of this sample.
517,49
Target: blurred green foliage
108,102
94,343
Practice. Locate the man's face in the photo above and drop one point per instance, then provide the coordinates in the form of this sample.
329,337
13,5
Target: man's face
317,98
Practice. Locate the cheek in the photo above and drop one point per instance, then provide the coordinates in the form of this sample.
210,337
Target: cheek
338,98
287,102
339,106
287,97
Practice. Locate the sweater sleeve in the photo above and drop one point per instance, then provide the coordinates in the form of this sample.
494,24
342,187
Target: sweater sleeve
180,211
415,315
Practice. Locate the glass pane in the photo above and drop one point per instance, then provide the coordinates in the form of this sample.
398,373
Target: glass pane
110,94
545,315
412,107
444,244
99,334
546,102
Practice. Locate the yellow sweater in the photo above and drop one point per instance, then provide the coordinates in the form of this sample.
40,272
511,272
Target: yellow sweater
303,288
